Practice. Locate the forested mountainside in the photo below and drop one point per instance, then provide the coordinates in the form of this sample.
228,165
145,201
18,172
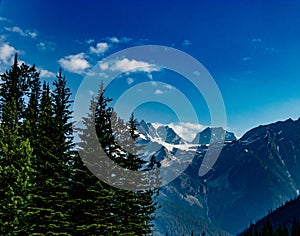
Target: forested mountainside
283,221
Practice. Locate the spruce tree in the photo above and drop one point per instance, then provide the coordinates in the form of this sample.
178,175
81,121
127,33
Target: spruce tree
15,182
94,198
16,170
31,114
123,212
53,163
12,90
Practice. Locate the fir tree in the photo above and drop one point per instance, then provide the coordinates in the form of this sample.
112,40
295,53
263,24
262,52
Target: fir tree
12,90
53,161
93,197
125,212
16,157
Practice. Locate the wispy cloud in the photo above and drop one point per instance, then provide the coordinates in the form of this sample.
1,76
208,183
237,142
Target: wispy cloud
165,86
114,40
130,80
168,86
23,33
47,45
158,91
75,63
126,65
119,40
4,19
100,48
247,58
256,40
90,41
186,42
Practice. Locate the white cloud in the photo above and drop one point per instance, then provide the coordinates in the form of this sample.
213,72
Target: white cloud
119,40
256,40
114,40
247,58
24,33
130,81
100,48
186,42
186,130
125,40
3,19
124,65
32,34
2,38
104,66
46,73
158,91
7,53
168,86
90,41
47,45
101,74
75,63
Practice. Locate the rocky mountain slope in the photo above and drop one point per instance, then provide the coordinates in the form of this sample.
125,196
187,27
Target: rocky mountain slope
252,175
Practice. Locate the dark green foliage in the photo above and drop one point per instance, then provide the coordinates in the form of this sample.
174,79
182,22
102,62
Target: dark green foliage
15,183
46,187
124,212
15,155
53,155
13,88
282,221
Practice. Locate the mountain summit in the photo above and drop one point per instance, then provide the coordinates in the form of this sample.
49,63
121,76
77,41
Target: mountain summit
213,135
252,175
162,132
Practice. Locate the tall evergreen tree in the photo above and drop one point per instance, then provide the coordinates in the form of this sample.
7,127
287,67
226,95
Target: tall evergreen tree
62,117
92,213
15,182
126,212
16,157
31,114
53,161
13,88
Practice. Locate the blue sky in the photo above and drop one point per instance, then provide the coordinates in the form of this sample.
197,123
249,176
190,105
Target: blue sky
251,48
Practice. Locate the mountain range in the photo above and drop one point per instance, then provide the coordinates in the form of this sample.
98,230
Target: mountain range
253,174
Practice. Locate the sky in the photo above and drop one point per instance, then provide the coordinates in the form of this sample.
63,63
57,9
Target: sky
250,48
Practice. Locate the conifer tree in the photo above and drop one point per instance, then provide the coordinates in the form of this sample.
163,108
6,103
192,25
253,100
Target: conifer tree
53,161
15,154
13,88
15,181
31,114
93,197
126,212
